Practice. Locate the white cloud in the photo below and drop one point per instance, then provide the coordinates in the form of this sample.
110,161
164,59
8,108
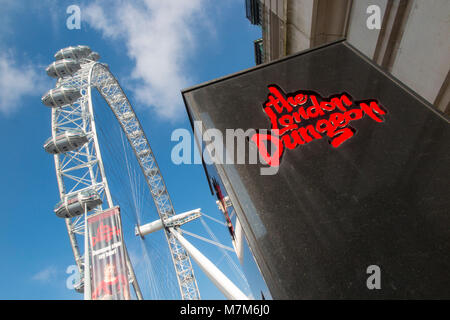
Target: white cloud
46,275
16,81
159,37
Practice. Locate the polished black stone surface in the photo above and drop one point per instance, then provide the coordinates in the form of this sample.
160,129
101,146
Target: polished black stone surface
381,198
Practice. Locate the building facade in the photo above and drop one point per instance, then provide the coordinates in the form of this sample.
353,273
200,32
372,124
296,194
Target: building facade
407,38
356,178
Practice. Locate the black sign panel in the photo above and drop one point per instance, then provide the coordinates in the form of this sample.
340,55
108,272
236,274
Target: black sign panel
359,204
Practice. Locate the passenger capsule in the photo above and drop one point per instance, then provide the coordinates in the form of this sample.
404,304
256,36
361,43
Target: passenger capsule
65,141
60,97
74,204
74,53
63,68
94,56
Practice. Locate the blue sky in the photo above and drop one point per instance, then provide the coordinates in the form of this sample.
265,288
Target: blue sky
155,49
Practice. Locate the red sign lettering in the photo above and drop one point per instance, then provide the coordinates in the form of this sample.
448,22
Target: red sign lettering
304,116
105,233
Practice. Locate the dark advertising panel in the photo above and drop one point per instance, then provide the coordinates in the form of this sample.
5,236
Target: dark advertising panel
109,268
349,194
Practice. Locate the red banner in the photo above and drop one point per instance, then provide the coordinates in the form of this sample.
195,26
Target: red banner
108,260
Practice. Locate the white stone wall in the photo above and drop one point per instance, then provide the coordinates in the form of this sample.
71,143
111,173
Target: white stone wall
299,23
423,58
414,43
358,34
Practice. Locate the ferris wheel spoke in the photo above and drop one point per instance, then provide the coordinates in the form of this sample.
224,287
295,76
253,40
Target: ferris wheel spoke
73,111
74,160
81,165
79,180
78,227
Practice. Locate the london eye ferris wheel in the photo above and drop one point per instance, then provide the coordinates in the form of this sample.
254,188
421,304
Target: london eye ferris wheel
84,188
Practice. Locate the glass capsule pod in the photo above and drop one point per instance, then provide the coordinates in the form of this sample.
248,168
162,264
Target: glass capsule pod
61,96
94,56
74,204
74,53
62,68
65,141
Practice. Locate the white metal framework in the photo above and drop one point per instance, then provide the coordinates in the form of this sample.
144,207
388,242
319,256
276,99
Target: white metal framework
173,223
82,168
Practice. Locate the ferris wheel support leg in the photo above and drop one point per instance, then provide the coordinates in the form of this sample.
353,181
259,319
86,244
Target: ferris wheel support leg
134,282
74,245
221,281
